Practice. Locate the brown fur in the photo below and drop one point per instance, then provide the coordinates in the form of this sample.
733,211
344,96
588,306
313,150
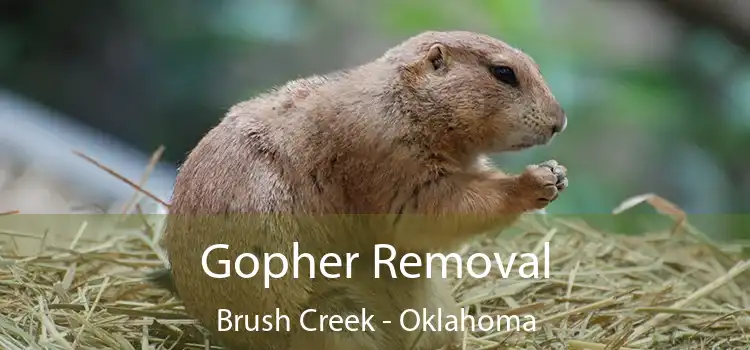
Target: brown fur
394,136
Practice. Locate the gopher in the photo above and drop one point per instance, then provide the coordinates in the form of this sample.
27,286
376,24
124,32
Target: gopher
390,152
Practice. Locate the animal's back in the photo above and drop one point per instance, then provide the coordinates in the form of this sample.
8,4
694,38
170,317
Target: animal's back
234,189
259,181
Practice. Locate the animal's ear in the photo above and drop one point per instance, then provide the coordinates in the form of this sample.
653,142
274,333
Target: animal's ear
436,56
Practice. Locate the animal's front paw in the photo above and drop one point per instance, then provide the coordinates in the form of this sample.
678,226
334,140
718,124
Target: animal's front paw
541,184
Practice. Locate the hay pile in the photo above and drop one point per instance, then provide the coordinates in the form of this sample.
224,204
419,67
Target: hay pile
664,290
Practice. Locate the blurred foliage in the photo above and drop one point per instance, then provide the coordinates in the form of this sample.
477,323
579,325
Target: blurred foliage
156,72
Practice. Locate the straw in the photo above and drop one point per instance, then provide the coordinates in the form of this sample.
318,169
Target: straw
667,289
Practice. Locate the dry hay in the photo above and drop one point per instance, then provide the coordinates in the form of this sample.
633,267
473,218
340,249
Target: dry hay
668,290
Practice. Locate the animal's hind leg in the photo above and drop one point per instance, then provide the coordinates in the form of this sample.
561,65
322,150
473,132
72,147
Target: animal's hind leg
330,340
342,302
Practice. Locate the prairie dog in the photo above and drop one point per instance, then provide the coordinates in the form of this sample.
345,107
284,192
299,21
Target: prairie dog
405,137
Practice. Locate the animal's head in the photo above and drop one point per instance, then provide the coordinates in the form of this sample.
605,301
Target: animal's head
479,90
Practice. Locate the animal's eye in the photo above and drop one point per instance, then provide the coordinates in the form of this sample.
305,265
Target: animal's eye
505,74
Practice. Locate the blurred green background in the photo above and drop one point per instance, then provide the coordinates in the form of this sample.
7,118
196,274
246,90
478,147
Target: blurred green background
657,92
